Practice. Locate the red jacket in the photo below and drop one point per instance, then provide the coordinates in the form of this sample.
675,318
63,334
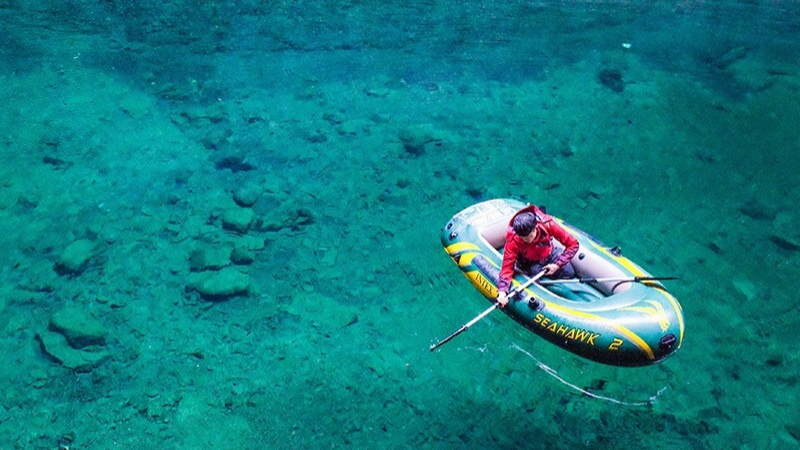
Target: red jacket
537,250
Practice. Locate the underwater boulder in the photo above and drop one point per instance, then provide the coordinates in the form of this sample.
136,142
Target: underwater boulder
612,79
247,196
209,258
414,140
242,256
226,283
58,349
79,327
74,258
74,339
237,219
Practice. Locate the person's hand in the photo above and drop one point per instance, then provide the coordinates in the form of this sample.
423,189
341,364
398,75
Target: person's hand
550,269
502,299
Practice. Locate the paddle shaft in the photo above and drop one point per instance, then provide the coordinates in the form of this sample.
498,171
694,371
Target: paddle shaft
480,316
603,280
464,327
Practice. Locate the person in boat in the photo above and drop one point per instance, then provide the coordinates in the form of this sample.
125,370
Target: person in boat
529,249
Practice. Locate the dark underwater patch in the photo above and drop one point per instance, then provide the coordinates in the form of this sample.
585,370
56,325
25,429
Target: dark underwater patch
612,79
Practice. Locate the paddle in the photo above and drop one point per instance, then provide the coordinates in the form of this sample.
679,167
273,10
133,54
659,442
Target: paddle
603,280
472,322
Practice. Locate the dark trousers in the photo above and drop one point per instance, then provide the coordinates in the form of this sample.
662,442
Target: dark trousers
530,268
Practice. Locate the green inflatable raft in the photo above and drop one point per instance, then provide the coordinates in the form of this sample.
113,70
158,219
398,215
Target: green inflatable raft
614,312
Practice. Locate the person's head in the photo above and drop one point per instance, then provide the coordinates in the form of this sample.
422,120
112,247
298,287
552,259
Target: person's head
524,225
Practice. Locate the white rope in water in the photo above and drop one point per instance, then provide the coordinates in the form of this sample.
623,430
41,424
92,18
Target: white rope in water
555,375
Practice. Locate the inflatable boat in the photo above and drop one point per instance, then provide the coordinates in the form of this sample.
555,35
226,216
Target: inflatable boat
613,312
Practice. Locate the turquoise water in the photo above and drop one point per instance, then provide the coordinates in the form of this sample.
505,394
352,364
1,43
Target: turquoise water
220,222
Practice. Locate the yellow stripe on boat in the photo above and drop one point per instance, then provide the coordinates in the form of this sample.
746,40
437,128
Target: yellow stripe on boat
633,337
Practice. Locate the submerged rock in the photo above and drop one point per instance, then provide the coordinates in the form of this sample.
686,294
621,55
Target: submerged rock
789,243
758,210
212,258
414,140
784,232
247,195
56,346
237,219
249,243
220,285
730,57
75,257
75,339
243,255
612,79
79,328
295,221
234,163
